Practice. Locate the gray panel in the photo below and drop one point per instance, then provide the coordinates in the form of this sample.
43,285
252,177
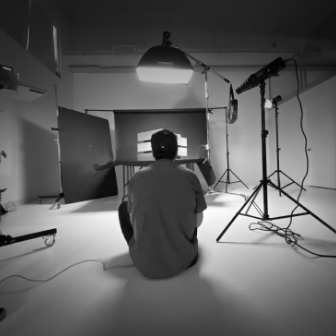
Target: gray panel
85,140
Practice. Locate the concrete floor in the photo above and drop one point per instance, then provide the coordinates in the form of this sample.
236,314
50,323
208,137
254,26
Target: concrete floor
250,283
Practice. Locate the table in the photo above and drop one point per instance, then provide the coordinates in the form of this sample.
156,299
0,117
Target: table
128,168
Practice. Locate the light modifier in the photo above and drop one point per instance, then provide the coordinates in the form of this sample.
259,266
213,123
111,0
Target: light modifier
165,64
266,72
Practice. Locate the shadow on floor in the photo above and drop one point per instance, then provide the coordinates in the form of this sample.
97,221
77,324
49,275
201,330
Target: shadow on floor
188,304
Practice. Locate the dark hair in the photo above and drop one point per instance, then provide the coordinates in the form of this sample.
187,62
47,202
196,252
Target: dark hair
164,145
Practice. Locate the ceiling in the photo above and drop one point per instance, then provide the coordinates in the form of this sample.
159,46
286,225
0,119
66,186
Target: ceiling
126,27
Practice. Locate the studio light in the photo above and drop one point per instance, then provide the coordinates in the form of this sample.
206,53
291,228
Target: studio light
266,72
165,64
276,100
273,102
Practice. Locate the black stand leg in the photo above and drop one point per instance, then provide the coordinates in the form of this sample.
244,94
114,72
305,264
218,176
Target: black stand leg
278,172
228,181
49,234
253,195
57,199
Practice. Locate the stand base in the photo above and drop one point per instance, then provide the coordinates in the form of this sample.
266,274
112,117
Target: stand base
263,216
49,241
57,199
228,171
279,184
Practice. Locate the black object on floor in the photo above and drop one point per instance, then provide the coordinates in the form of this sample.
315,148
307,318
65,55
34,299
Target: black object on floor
2,210
2,313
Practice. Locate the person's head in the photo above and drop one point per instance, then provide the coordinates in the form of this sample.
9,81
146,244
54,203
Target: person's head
164,145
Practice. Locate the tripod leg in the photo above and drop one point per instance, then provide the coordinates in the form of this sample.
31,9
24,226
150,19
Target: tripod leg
227,180
304,208
240,210
276,172
221,178
7,240
271,174
252,201
59,197
291,180
238,178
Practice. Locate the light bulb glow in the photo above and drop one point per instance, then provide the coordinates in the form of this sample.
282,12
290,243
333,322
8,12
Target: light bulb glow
164,75
268,104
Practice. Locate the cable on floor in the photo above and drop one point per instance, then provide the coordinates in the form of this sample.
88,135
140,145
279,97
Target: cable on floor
80,262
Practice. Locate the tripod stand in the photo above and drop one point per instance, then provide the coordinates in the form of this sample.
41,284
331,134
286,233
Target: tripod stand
265,182
228,170
278,171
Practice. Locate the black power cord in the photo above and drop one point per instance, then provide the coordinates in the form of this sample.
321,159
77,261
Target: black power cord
291,237
287,238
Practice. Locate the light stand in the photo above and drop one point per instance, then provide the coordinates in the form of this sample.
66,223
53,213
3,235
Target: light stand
61,194
278,171
206,68
265,182
228,170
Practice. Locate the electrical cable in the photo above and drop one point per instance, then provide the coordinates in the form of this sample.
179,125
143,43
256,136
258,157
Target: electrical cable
291,237
269,226
287,239
65,269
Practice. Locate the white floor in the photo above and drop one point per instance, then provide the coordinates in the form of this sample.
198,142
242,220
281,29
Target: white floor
250,283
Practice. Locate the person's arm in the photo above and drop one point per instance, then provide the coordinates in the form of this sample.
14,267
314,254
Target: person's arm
200,202
199,218
107,165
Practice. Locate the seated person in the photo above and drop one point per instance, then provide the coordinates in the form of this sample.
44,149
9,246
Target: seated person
164,207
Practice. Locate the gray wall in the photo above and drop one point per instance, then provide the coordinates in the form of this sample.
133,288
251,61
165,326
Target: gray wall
31,168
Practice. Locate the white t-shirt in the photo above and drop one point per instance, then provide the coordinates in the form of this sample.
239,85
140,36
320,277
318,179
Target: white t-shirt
163,200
